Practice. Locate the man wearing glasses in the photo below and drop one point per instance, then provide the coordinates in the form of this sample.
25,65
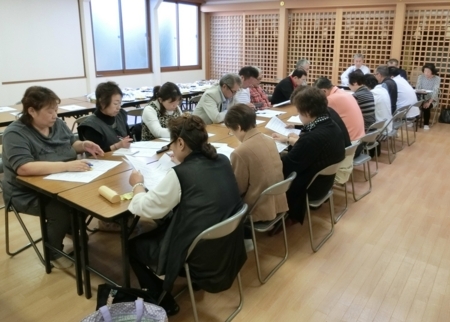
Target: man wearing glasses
216,100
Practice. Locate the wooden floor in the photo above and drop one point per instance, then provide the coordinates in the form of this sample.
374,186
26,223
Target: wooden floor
388,259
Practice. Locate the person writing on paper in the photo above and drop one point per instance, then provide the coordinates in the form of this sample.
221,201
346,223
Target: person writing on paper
284,89
429,80
107,126
249,77
37,144
163,107
304,64
320,145
257,96
214,103
256,154
196,194
358,60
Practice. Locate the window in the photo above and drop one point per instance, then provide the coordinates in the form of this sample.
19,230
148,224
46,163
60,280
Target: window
179,35
121,36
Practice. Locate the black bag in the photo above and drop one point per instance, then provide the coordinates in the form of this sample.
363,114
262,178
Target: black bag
445,116
120,295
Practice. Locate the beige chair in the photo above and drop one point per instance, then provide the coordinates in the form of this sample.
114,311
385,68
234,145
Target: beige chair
413,121
391,136
261,227
78,121
377,126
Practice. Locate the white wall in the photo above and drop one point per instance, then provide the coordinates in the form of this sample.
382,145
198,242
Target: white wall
12,93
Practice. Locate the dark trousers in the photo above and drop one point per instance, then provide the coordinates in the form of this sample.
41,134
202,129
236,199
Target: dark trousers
426,114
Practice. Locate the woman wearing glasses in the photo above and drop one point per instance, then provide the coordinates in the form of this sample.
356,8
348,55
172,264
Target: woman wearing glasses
198,193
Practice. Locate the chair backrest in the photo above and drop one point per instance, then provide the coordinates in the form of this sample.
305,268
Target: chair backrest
135,112
277,188
396,118
328,171
403,108
377,125
195,99
350,150
418,104
370,137
78,121
221,229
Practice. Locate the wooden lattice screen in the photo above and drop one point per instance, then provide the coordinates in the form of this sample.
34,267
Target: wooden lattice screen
226,44
368,33
261,44
426,38
311,36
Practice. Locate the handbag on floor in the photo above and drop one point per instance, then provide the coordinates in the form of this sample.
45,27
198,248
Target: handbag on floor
445,116
109,294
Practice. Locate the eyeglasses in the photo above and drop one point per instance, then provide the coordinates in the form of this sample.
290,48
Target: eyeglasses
232,92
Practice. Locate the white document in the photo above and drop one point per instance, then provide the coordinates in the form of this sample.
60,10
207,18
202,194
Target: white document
280,146
294,119
155,145
6,109
16,113
210,134
259,122
269,113
277,125
123,151
218,145
98,168
225,150
72,107
282,103
153,173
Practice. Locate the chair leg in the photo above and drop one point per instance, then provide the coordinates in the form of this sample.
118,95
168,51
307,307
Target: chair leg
437,112
32,243
390,149
258,266
338,217
191,292
370,184
241,299
414,122
311,237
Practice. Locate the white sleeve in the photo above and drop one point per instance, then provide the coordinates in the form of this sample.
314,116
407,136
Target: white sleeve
344,76
365,69
158,202
242,96
220,117
150,118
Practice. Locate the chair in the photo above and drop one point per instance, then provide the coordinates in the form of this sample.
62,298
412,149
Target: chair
193,102
261,227
413,121
220,230
398,124
137,112
330,170
349,152
78,121
377,126
391,135
363,159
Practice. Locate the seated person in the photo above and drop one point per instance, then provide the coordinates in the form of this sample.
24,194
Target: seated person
406,95
256,155
249,77
429,80
284,88
107,126
258,97
39,143
394,63
382,99
320,145
382,76
305,65
163,106
214,103
358,60
363,96
194,195
345,105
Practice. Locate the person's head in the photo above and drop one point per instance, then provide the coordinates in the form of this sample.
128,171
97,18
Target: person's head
392,62
168,96
299,76
358,60
324,84
240,119
370,81
355,79
393,71
188,134
303,64
429,70
249,76
260,76
381,73
310,102
40,107
230,84
108,98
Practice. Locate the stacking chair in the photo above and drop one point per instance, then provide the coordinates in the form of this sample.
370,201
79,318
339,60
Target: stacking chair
193,102
261,227
221,230
349,152
78,121
413,121
391,136
135,112
398,123
377,126
328,171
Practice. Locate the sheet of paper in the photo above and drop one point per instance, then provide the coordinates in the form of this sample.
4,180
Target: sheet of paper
280,146
6,109
282,103
123,151
259,122
148,145
16,113
98,168
218,145
277,125
225,150
72,107
294,119
269,113
153,173
210,134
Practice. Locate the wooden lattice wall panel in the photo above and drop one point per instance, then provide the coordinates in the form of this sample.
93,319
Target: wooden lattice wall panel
311,36
368,33
426,39
226,54
261,43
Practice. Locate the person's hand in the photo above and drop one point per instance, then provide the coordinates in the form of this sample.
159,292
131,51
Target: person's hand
252,106
135,177
290,126
78,166
279,137
93,149
125,142
292,138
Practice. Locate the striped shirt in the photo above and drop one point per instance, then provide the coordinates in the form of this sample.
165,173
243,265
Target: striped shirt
366,103
431,84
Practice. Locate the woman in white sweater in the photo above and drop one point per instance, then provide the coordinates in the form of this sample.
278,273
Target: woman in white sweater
162,107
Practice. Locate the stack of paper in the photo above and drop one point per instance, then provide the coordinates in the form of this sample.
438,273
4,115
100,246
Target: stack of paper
269,113
276,125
